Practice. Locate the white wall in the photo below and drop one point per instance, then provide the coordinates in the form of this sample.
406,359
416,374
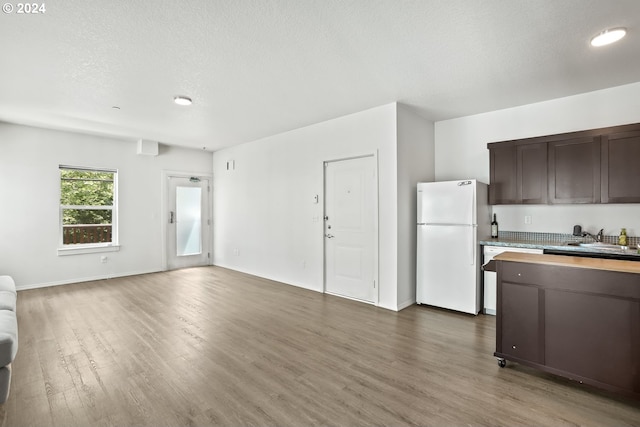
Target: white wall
30,194
461,152
415,147
265,221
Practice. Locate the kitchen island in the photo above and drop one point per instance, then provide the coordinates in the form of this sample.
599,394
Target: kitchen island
571,316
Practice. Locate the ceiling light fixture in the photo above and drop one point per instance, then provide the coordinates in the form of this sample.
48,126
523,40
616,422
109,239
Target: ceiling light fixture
182,100
608,36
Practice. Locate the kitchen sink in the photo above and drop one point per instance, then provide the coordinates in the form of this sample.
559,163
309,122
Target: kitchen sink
597,245
598,253
603,246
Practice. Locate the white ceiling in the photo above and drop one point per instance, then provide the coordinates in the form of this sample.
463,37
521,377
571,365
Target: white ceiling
256,68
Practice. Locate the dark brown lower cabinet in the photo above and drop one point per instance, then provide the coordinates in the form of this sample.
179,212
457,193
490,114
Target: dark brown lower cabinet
521,327
579,323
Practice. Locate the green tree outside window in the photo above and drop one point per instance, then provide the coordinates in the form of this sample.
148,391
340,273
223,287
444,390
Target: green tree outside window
86,199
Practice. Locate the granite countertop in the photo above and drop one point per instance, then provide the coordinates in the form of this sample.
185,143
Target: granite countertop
555,245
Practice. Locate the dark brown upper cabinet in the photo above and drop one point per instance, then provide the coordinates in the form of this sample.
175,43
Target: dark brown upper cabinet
503,175
591,166
574,171
532,173
518,174
620,157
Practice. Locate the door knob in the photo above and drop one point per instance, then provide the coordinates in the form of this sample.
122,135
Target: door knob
329,236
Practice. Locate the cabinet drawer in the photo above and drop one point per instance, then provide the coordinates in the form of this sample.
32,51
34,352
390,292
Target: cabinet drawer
517,272
583,280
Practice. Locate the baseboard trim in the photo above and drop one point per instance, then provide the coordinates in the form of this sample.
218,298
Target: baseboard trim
350,298
407,303
82,279
387,307
262,276
275,279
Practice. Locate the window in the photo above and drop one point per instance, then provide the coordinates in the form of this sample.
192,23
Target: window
88,209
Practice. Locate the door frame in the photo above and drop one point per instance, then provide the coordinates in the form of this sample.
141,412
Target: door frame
164,212
376,232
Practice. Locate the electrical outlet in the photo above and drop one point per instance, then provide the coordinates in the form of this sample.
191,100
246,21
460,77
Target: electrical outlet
527,219
236,252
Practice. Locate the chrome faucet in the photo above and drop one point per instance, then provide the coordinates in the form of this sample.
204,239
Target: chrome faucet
597,238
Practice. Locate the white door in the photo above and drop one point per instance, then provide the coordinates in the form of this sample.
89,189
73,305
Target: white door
188,222
350,228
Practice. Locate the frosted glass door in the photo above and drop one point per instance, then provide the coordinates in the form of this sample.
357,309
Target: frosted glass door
188,221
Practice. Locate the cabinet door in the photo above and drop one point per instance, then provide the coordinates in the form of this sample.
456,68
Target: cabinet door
518,174
620,167
574,170
592,336
532,173
503,179
519,318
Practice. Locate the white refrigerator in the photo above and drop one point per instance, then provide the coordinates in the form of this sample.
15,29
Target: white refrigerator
451,217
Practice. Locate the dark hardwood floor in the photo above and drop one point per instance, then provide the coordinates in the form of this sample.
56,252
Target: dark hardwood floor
209,346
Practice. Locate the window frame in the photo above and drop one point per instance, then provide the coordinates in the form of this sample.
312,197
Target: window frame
86,248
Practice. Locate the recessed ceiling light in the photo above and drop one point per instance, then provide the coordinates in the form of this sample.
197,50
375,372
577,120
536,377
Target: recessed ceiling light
608,36
182,100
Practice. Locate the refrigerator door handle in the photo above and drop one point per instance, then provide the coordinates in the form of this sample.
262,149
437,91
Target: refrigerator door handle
473,246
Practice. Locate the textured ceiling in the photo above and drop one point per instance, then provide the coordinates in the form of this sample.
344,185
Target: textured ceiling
255,68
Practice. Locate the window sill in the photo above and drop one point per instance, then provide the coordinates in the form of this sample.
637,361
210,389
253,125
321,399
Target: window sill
86,249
